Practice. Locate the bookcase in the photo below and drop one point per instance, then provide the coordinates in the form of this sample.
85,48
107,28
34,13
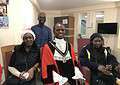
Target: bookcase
68,22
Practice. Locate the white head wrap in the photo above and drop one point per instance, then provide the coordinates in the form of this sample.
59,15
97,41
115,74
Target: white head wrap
28,31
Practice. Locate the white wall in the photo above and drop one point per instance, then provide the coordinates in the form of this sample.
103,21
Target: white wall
50,18
110,15
21,16
118,19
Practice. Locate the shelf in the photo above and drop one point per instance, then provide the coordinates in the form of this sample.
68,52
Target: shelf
68,22
69,28
69,35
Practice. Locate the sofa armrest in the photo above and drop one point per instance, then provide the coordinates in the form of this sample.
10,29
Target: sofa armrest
86,73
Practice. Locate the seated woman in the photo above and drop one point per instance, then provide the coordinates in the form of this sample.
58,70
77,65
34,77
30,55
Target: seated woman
100,61
59,66
23,61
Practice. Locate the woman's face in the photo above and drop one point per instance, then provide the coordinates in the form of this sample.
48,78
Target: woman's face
97,42
28,39
59,31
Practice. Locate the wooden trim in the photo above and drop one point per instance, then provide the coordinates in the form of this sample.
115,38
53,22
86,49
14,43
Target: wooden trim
6,54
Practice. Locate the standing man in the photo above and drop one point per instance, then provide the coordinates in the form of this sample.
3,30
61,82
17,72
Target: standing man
42,32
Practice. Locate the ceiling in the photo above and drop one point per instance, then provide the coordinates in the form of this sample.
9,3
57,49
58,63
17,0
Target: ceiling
69,4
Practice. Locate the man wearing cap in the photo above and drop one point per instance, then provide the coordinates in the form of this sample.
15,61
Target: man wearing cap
23,61
42,32
100,61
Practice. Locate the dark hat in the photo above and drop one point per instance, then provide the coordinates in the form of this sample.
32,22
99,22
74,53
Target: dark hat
94,35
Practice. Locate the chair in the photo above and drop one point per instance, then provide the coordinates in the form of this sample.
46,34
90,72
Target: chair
6,55
85,70
81,43
86,73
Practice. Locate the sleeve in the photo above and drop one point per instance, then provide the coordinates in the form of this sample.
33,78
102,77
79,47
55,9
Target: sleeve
13,58
14,71
32,28
38,61
38,57
49,35
112,60
44,62
12,66
60,79
85,61
78,74
47,64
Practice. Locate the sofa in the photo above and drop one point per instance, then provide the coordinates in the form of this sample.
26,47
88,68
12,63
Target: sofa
8,50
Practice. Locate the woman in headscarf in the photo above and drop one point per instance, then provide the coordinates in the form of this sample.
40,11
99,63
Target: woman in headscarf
100,61
23,61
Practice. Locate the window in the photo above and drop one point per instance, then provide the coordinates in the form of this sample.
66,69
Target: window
83,26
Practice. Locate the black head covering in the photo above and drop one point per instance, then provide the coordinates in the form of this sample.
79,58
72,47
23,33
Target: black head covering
94,35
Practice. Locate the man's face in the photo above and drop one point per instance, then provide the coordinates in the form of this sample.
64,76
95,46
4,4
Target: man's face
97,42
42,18
59,31
28,39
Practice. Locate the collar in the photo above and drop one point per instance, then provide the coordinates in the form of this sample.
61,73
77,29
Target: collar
56,40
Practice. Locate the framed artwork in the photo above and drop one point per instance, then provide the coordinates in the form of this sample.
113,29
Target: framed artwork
3,21
3,9
4,1
3,15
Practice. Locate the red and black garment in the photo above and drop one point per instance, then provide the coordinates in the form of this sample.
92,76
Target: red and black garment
49,64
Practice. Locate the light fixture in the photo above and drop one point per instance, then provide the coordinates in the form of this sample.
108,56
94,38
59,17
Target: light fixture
99,16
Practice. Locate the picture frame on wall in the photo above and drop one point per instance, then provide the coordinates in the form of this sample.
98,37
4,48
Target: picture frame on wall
3,21
3,16
4,1
3,9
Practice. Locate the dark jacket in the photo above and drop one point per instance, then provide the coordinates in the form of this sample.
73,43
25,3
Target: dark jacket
23,61
97,57
43,34
92,58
